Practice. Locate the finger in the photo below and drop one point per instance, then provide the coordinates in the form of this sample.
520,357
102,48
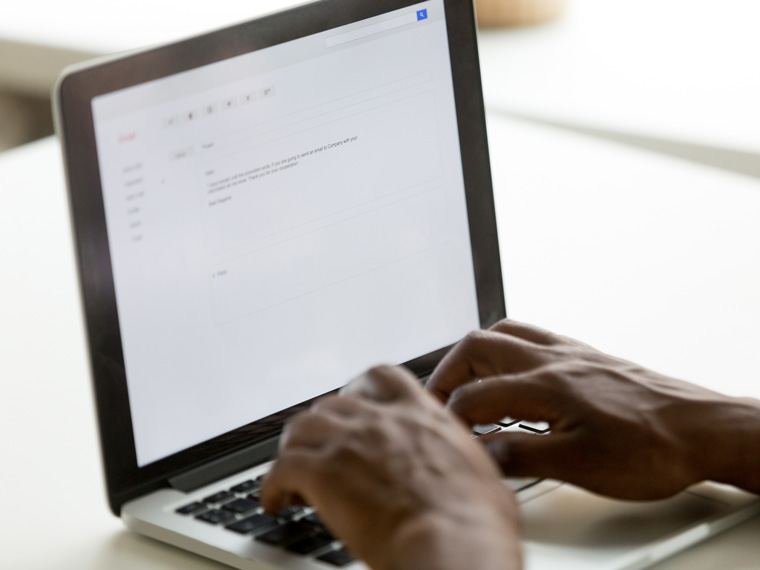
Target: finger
346,406
383,384
310,429
525,397
525,331
552,456
289,481
481,354
341,405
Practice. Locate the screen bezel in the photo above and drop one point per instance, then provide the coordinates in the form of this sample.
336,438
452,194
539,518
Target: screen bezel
75,91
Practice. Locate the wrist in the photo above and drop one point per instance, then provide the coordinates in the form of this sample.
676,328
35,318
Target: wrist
725,445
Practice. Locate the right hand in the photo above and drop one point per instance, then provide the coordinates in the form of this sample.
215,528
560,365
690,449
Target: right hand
398,478
616,428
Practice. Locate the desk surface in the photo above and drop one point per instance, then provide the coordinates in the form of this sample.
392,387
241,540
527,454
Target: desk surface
647,257
682,69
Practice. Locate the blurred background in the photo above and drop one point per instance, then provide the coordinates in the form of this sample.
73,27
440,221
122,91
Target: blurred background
681,71
23,118
38,40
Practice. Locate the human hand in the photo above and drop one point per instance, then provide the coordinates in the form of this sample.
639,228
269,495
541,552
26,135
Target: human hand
616,428
398,478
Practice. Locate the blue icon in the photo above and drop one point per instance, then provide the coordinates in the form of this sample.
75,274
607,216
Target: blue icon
421,15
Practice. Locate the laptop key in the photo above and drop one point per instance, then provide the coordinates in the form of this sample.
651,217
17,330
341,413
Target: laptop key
483,429
289,512
339,557
193,507
506,422
252,523
215,516
287,533
241,506
310,543
219,497
314,520
535,427
245,486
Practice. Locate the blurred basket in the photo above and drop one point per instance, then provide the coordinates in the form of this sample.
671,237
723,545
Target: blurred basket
517,12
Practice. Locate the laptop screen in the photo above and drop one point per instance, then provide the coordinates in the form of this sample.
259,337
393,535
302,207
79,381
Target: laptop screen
280,220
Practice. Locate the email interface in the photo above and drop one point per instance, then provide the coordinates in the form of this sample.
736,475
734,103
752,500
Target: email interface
282,220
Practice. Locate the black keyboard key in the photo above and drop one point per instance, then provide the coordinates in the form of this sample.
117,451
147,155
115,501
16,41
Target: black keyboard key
535,427
310,543
245,486
337,557
483,429
253,523
506,422
215,516
289,512
287,533
193,507
314,520
240,506
219,497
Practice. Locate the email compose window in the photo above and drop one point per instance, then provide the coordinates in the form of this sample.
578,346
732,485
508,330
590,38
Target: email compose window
281,220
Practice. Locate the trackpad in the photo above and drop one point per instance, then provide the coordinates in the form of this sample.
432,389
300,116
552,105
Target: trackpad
570,528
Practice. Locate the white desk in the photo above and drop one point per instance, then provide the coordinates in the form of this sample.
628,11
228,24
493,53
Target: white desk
682,69
644,256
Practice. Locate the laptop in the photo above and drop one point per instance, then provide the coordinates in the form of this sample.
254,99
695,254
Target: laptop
261,213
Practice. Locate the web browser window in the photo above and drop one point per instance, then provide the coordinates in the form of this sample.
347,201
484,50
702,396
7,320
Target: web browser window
282,220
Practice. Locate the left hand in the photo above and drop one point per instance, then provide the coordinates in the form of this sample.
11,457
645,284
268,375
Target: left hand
617,429
398,478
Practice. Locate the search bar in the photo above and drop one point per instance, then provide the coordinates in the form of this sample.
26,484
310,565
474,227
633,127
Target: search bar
373,29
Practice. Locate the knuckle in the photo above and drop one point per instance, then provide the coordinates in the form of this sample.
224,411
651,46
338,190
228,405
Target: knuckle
379,376
504,326
394,381
475,338
329,403
305,419
556,378
305,423
379,370
298,423
342,454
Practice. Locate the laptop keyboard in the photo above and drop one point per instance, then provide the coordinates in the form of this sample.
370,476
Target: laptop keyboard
298,529
511,425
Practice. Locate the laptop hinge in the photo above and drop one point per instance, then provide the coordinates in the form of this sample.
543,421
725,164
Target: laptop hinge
225,466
